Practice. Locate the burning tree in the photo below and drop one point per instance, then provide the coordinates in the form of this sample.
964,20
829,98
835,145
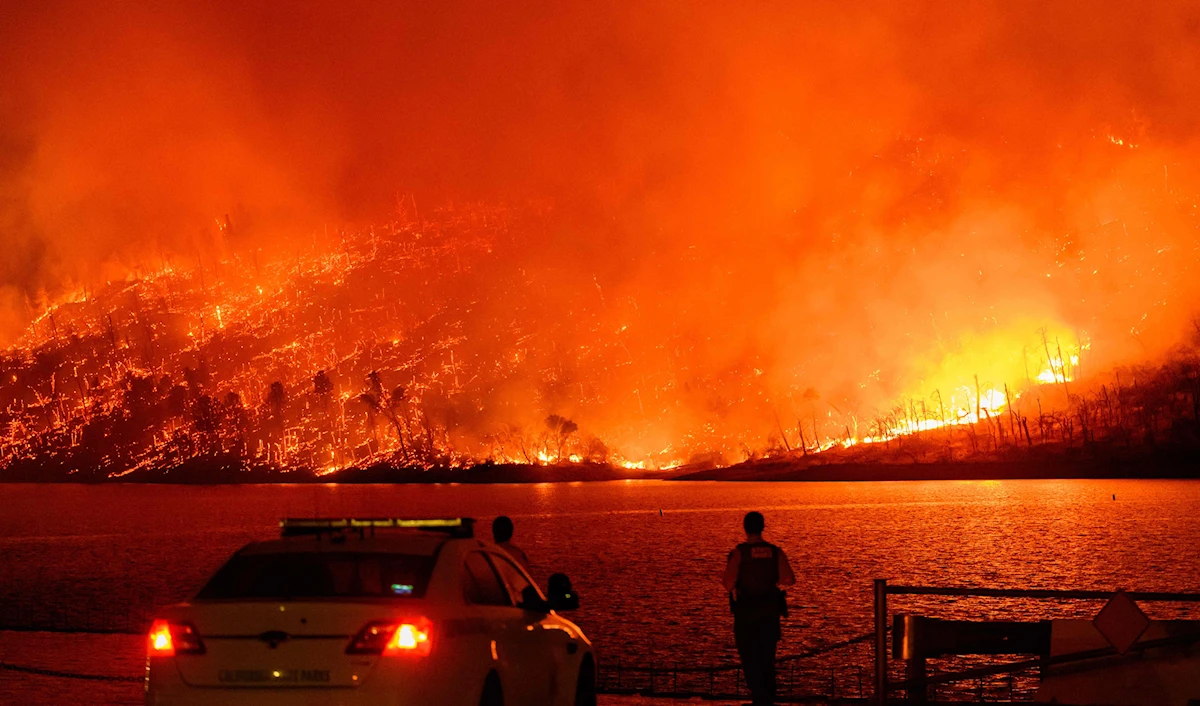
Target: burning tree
561,430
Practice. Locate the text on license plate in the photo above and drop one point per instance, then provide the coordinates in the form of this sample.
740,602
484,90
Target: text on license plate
273,676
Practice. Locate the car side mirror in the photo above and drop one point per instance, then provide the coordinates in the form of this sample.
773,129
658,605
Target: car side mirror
531,600
561,596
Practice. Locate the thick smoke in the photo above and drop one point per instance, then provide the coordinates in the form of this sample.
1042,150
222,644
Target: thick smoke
814,196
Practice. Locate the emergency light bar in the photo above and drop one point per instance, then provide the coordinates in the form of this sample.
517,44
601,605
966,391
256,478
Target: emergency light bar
297,526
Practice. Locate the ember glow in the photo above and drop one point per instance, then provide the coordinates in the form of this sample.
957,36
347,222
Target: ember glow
646,236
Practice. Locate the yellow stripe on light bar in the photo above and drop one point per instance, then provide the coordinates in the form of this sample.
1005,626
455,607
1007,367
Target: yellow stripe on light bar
351,522
408,524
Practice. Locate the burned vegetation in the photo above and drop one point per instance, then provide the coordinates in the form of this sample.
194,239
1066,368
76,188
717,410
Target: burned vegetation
327,360
424,348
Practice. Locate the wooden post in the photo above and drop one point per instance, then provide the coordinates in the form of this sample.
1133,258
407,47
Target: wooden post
880,642
918,694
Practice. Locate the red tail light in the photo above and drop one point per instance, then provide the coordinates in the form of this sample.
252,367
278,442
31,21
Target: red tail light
407,636
167,639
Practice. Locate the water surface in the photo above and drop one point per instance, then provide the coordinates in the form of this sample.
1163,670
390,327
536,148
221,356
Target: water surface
645,555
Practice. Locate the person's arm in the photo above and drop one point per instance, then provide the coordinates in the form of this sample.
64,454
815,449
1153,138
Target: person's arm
729,579
786,576
520,555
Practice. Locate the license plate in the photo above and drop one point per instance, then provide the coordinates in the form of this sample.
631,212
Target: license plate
273,676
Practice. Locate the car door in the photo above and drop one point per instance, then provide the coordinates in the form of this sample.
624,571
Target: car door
506,624
542,647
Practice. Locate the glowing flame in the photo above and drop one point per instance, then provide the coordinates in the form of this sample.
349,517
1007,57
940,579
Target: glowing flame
1058,371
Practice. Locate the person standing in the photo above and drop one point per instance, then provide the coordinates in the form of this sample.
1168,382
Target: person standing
502,532
754,574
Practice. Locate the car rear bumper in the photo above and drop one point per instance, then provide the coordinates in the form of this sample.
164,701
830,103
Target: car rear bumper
196,696
166,688
362,696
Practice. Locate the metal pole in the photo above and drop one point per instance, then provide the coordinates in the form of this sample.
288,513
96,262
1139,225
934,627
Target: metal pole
881,616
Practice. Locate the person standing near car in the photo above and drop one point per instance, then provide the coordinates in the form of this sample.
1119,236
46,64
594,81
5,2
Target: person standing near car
754,574
502,532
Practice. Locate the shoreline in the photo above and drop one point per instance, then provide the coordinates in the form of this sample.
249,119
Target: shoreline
1100,462
1166,464
482,474
975,471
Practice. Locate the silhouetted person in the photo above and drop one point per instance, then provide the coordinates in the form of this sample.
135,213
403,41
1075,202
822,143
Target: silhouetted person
502,532
753,576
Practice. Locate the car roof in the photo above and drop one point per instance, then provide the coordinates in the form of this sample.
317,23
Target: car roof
411,543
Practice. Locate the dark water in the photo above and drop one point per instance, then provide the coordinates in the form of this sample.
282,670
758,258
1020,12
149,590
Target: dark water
104,556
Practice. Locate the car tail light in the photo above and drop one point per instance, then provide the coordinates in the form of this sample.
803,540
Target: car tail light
408,636
167,639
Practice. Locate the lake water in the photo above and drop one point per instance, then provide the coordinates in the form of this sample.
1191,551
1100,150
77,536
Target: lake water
644,555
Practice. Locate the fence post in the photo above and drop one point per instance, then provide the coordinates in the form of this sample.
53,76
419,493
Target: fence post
881,665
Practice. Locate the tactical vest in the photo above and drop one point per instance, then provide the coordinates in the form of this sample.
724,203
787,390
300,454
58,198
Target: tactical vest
757,579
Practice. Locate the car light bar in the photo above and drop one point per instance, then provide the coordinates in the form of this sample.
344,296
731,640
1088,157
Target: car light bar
296,526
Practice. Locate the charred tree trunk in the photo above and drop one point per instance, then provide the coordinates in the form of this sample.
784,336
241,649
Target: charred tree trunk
783,436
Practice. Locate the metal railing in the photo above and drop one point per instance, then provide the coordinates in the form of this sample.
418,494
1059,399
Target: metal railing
29,618
882,590
795,682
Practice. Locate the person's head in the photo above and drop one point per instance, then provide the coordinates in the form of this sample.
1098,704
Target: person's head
753,523
502,529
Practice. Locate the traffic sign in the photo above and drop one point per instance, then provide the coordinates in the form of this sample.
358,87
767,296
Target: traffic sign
1121,622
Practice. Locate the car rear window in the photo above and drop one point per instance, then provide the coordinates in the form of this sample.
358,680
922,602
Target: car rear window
320,575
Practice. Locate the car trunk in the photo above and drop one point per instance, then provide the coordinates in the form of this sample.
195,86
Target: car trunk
282,644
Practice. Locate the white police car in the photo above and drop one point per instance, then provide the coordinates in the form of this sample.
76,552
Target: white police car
375,611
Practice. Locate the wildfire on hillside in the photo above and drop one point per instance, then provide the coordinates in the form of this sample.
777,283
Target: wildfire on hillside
650,237
404,346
